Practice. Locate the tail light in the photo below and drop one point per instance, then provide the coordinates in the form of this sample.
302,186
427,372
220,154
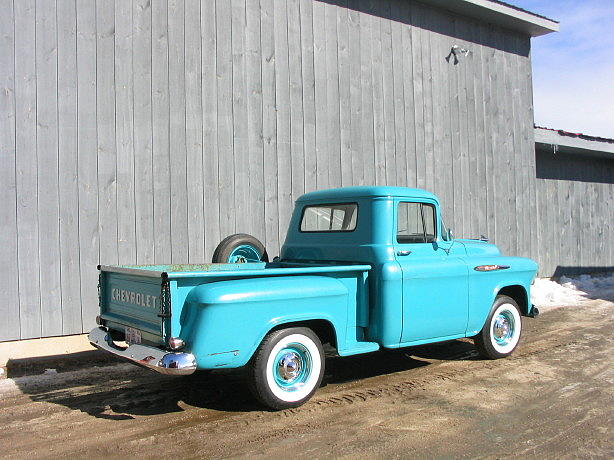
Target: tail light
175,343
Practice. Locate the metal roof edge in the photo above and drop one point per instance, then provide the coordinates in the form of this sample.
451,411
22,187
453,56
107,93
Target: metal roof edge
574,144
500,13
364,191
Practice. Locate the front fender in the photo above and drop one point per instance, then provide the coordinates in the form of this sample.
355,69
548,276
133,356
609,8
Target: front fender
484,286
224,322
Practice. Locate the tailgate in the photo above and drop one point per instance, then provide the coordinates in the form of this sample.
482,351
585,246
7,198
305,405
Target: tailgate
130,300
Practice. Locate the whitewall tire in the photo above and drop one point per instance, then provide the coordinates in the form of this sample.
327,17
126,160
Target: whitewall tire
502,330
287,368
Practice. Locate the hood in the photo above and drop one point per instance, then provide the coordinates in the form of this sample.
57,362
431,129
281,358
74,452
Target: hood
479,248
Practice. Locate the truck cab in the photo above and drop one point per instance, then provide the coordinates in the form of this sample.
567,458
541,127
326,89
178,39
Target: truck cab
362,268
424,285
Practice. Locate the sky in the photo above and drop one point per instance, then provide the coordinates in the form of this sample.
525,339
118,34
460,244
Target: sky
573,70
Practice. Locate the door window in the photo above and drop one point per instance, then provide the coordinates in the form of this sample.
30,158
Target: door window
415,223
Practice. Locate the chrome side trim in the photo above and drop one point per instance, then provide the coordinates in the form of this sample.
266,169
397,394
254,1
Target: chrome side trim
149,357
490,268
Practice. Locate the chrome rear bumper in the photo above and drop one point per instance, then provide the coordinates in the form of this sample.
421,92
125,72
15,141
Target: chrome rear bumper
169,363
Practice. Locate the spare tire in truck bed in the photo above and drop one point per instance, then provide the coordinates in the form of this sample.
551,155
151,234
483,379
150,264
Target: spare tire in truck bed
240,248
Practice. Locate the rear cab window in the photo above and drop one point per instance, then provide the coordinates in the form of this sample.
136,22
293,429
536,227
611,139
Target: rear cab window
415,223
326,218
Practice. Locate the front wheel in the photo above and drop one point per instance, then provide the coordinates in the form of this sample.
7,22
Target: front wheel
501,332
287,368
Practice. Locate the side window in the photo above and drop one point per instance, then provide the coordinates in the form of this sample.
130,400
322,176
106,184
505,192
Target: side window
415,223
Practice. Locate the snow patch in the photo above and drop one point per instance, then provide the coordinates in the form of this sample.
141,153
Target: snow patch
547,293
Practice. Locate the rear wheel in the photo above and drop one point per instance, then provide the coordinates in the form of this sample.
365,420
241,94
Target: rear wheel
287,368
501,332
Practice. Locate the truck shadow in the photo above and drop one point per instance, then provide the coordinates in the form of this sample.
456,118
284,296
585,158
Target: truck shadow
131,391
352,368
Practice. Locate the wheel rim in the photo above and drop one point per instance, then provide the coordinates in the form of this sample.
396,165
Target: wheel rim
504,328
243,254
292,367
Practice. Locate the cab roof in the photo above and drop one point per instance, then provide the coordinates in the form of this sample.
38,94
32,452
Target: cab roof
366,191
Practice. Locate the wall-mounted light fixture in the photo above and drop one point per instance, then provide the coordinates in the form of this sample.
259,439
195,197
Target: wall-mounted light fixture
457,51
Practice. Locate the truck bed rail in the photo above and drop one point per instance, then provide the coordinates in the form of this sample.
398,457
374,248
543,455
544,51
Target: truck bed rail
236,270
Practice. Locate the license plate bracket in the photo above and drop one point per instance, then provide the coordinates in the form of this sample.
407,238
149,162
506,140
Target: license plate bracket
133,336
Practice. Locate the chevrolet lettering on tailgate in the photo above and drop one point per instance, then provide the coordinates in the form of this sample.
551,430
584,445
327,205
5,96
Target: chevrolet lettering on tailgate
136,298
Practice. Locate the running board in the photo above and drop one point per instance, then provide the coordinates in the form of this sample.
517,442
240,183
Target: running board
359,347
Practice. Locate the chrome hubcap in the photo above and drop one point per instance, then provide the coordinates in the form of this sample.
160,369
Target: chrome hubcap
289,366
292,367
503,328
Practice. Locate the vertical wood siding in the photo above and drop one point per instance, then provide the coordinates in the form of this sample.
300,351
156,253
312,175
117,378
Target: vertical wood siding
146,131
575,213
9,277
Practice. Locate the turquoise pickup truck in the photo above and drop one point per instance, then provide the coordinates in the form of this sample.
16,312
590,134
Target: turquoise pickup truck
362,268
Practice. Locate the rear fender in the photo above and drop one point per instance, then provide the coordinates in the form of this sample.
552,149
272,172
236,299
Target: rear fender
224,322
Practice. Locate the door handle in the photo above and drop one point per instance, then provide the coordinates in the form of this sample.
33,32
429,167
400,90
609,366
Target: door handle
403,253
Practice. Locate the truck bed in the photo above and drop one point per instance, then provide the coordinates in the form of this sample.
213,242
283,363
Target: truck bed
151,298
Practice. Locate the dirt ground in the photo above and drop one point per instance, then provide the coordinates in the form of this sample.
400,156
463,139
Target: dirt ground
553,398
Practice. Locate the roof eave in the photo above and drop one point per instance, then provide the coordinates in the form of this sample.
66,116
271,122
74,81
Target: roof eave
500,14
548,139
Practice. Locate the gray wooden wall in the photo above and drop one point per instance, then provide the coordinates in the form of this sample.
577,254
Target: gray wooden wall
146,131
575,213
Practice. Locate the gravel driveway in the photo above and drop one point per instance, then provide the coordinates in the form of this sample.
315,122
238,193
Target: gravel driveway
553,398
